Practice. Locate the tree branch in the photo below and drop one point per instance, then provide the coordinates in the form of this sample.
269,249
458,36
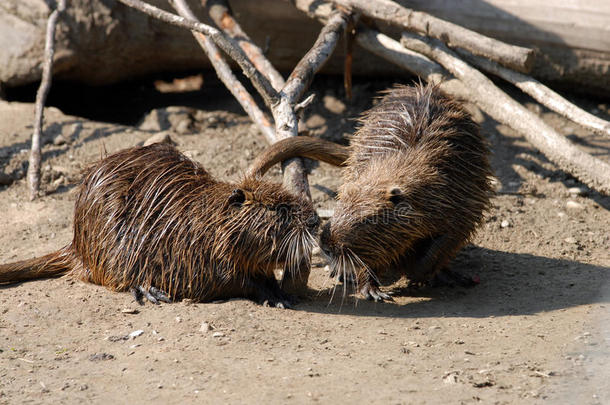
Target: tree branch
221,14
225,74
492,100
514,57
260,82
542,94
314,59
41,97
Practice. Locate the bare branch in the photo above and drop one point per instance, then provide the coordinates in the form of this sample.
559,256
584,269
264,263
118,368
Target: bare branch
325,44
225,74
41,97
229,46
592,171
221,14
542,94
350,33
514,57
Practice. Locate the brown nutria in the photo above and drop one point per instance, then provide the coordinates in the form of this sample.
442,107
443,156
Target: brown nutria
151,220
416,185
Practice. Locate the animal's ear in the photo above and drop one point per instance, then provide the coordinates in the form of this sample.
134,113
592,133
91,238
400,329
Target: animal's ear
237,198
395,195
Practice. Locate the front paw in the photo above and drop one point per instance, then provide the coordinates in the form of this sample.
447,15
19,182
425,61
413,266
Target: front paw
372,292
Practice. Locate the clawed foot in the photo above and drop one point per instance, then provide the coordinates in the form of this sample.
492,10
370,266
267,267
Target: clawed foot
269,294
278,300
373,293
153,294
449,278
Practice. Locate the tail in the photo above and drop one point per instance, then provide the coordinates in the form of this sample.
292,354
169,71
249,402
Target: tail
302,146
52,265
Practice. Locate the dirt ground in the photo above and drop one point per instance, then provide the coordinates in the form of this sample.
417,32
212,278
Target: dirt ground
535,330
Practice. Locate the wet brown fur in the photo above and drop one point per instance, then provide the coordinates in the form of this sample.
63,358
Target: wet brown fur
149,216
416,186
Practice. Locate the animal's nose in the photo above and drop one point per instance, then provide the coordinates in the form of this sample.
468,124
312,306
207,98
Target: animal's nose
313,221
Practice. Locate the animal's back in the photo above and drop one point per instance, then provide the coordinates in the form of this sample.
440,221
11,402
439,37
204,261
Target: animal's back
133,221
414,120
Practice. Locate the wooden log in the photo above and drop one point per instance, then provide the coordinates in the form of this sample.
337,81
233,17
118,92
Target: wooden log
104,42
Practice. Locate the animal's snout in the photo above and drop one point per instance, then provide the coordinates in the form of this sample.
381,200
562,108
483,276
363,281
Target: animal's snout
313,221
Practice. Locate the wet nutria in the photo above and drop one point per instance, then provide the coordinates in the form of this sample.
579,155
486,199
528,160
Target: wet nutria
416,186
150,220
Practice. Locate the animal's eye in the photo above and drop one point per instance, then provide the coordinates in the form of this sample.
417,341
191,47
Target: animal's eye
395,195
283,209
237,198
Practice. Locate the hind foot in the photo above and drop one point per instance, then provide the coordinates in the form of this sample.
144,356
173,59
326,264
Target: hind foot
371,291
153,294
449,278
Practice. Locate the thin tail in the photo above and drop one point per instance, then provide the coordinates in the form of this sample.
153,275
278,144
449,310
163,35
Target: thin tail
52,265
302,146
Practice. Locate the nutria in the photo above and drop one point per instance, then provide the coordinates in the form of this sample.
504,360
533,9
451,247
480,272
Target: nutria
416,185
150,220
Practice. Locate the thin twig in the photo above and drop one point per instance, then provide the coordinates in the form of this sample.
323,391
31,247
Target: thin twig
223,70
260,82
515,57
41,97
314,59
221,14
542,94
591,170
499,107
350,33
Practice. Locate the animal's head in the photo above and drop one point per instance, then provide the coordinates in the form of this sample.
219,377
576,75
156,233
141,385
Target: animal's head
264,225
376,217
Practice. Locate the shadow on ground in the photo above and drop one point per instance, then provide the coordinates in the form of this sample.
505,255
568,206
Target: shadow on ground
511,284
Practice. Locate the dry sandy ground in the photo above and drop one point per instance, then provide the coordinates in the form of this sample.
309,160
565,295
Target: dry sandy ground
536,329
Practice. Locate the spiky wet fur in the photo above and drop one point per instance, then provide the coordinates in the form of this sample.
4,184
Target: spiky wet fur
149,216
418,175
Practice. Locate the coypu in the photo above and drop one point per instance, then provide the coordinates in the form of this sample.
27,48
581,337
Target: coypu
150,220
416,185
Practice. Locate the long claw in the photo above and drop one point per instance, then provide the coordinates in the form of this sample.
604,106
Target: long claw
137,295
159,295
153,294
373,293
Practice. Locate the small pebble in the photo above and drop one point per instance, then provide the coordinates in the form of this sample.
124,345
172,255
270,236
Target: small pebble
570,240
136,333
218,334
178,319
205,327
325,214
188,301
129,311
59,140
577,191
505,224
183,127
161,137
573,205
